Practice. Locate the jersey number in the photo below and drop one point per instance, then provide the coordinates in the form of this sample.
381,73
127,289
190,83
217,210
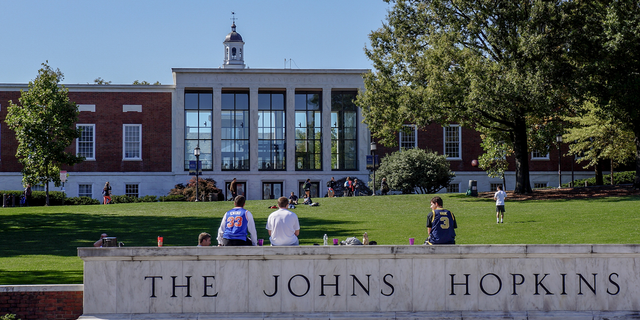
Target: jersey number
231,221
444,222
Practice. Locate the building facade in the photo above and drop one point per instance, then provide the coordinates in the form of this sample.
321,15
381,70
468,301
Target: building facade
271,129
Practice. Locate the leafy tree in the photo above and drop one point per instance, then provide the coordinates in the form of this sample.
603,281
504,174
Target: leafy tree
101,81
146,83
595,139
44,126
205,187
605,42
494,159
415,170
493,66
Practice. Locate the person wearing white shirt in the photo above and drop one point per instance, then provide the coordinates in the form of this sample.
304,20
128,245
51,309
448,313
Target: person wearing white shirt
499,197
283,225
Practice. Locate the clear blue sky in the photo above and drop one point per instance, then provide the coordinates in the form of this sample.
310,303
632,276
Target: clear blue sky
126,40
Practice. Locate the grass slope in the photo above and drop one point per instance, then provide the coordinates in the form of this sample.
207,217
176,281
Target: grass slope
38,244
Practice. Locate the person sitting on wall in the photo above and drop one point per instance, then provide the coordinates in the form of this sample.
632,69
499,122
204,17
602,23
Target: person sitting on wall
441,224
235,224
98,243
283,225
204,239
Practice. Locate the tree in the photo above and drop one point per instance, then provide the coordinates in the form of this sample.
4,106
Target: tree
101,81
44,126
146,83
205,187
595,139
488,65
605,46
415,170
494,159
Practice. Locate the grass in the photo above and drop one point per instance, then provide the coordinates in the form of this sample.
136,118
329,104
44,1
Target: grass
38,244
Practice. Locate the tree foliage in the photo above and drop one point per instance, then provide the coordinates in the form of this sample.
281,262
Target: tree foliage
44,125
101,81
415,170
595,139
493,66
146,83
205,187
494,159
605,46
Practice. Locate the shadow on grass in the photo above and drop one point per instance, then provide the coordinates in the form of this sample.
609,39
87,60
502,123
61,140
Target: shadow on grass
41,277
60,234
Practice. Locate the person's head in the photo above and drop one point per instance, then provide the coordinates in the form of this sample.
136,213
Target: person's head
283,202
384,179
356,179
308,180
239,201
436,201
106,184
348,178
204,239
234,179
333,179
292,193
499,188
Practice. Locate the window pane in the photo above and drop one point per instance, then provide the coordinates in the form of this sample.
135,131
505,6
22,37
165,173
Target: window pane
191,101
206,101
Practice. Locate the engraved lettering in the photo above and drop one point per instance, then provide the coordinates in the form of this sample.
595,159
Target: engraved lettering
564,292
206,285
355,279
582,279
188,286
539,284
322,285
275,280
516,283
153,284
465,283
615,284
305,279
499,284
384,279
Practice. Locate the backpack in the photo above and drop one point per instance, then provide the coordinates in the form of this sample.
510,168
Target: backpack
329,183
305,186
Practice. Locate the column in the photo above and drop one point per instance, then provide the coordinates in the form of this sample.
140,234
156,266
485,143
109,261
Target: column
253,129
326,129
216,128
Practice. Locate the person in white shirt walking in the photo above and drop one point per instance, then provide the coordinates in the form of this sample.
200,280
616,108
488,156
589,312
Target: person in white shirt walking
499,198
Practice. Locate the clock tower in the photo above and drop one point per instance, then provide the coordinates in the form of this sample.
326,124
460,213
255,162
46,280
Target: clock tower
233,50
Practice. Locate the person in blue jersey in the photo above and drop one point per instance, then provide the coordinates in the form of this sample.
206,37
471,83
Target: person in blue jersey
235,225
440,224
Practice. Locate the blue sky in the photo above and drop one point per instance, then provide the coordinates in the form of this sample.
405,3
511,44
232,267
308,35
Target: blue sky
126,40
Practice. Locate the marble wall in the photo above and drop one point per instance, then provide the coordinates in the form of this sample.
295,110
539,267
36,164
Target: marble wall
361,279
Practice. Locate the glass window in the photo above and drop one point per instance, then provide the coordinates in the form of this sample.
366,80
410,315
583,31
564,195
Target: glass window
131,190
85,190
408,137
537,185
453,188
308,131
132,141
344,131
85,145
271,131
241,186
271,190
494,186
540,155
235,131
452,141
198,118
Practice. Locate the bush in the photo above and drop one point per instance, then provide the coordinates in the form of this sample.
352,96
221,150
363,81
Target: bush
123,199
172,197
147,198
38,198
205,187
414,170
625,177
81,201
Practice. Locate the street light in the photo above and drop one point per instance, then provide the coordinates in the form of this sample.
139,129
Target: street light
374,147
196,152
559,140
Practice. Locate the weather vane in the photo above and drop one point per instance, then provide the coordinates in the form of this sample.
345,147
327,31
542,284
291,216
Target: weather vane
233,18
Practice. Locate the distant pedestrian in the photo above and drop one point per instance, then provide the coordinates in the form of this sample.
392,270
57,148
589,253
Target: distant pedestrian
331,184
106,193
27,195
307,188
347,187
233,188
499,196
384,188
356,187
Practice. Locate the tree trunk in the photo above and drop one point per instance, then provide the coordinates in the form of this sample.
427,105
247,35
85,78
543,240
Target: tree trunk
47,188
611,171
521,153
599,179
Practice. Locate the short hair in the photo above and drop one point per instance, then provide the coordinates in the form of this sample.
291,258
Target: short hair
437,200
203,236
239,201
499,187
283,202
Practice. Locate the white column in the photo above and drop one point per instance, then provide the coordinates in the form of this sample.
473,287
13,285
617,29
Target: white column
177,152
253,129
290,127
326,129
216,128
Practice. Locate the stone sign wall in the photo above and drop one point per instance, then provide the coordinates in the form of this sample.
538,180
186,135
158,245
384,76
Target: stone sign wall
359,280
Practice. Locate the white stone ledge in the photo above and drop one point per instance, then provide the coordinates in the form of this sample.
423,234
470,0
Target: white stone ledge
525,315
42,288
360,252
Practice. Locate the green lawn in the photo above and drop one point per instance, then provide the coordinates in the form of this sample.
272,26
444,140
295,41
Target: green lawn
38,244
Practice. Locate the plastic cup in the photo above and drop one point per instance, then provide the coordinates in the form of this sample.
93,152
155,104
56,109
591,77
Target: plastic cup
160,241
260,242
412,241
335,242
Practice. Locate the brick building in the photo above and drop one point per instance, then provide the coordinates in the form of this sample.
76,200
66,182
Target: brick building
269,128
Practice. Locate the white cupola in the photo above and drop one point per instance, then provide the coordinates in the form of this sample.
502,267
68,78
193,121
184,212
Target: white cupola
233,50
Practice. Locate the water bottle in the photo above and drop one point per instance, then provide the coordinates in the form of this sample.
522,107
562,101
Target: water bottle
325,238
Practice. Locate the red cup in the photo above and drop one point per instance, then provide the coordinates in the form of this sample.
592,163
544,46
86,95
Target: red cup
160,241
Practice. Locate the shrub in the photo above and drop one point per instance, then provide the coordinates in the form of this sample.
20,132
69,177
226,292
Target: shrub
414,170
81,201
625,177
147,198
38,198
172,197
205,187
9,316
123,199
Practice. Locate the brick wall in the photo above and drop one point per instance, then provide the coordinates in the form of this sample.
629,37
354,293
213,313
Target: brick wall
37,302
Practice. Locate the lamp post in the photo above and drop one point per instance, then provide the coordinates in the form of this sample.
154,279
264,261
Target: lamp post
559,140
196,152
374,147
